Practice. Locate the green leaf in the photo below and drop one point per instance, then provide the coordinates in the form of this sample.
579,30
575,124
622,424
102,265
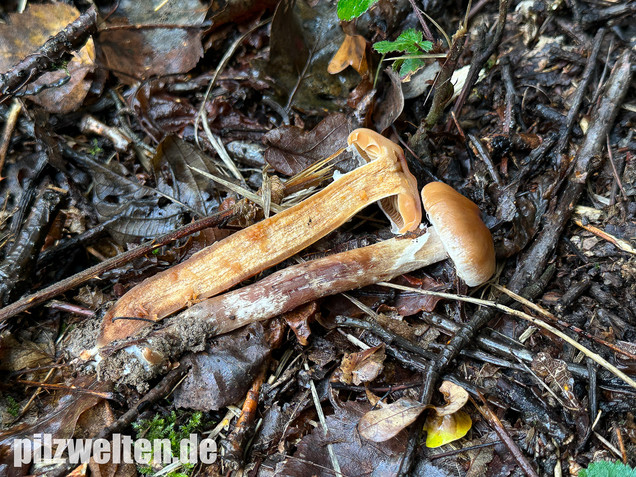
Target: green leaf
410,41
350,9
605,468
410,65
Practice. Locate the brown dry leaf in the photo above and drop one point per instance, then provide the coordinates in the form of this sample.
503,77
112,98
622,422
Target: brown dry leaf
352,53
363,366
383,424
292,149
391,105
557,376
441,430
26,32
455,397
59,413
138,44
222,374
411,303
357,457
16,355
298,320
448,423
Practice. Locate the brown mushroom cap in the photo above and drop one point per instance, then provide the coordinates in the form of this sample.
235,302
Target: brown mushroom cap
466,238
403,210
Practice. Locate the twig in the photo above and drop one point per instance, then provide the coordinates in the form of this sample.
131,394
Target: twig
512,446
321,416
418,14
19,262
95,271
609,156
535,321
535,259
580,92
33,66
9,125
481,57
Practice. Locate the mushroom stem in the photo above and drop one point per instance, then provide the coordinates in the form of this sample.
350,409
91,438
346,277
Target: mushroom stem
262,245
283,291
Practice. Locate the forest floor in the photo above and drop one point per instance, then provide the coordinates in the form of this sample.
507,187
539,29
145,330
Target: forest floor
136,135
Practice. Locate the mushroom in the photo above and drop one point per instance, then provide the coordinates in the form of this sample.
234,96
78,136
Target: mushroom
457,232
383,176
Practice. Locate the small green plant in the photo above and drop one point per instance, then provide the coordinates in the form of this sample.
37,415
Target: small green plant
604,468
165,427
95,149
412,43
13,406
350,9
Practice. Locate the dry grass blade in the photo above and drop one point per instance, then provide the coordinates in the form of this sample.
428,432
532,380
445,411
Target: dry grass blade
257,199
535,321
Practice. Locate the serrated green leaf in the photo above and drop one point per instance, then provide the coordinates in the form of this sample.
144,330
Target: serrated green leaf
410,65
410,41
605,468
350,9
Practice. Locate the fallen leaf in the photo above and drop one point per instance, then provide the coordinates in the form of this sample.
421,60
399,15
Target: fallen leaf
60,412
391,105
441,430
25,32
135,36
363,366
383,424
455,397
303,40
223,373
352,53
292,149
448,423
557,376
298,320
411,303
357,457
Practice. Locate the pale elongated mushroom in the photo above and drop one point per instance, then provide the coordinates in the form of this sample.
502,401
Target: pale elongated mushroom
251,250
457,232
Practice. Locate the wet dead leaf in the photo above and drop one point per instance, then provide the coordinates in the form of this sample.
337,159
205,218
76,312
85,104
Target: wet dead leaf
135,36
298,320
411,303
16,355
291,149
222,374
363,366
26,32
557,376
59,413
383,424
174,177
352,53
304,38
355,456
455,397
391,105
